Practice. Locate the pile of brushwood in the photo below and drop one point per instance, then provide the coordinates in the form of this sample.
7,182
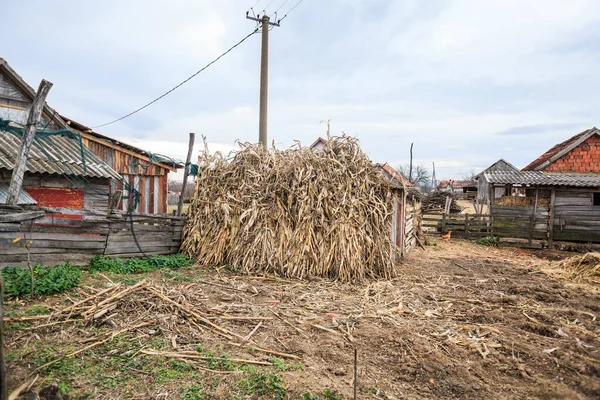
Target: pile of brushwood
294,213
582,267
437,201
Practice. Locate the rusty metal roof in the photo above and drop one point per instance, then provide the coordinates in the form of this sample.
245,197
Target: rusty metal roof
54,155
540,178
24,197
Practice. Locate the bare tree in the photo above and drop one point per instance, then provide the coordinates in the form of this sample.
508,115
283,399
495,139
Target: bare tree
420,175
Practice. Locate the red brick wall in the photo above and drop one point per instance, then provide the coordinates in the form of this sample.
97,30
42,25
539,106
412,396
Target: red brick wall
583,158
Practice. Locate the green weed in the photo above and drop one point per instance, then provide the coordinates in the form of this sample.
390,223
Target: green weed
17,281
262,384
193,392
487,241
138,265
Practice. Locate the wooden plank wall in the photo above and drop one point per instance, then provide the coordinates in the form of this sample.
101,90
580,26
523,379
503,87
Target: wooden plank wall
57,240
411,222
575,216
149,180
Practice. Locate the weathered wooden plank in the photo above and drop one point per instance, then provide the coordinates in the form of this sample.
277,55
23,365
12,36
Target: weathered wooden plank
54,236
21,216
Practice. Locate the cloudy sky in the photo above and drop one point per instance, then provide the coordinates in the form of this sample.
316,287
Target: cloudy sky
467,81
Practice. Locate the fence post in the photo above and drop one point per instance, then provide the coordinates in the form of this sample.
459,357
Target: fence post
467,226
443,223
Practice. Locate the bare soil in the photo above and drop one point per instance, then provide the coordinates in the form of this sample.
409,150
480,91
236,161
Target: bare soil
460,321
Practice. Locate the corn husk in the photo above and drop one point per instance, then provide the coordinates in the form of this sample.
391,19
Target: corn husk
293,213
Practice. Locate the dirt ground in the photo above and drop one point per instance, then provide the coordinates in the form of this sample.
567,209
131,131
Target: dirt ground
460,321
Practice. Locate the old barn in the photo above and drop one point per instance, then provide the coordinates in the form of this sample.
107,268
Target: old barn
556,197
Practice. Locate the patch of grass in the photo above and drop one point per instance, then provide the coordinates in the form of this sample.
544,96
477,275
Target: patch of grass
176,276
17,281
487,241
263,385
329,395
280,364
37,309
138,265
220,363
193,392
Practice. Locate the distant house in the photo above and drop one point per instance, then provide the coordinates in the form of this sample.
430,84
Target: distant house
559,191
483,185
457,186
125,166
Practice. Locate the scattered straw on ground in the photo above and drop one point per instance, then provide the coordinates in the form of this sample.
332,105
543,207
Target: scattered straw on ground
582,267
294,213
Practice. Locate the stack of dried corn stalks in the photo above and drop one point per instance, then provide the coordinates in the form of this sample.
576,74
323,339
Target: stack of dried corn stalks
295,213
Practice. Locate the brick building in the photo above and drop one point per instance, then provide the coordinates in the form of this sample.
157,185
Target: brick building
580,153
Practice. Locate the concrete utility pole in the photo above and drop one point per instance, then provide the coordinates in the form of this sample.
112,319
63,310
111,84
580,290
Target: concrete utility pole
264,75
16,180
186,170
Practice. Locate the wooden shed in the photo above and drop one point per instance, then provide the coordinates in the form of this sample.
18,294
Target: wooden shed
135,168
483,184
142,170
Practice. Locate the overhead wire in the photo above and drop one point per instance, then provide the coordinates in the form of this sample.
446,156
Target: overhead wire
290,10
281,5
180,84
268,5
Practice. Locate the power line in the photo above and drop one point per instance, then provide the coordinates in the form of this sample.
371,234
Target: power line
281,5
291,9
267,6
181,84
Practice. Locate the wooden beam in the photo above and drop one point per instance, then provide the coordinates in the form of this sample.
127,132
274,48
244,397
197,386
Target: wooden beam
123,150
551,220
16,180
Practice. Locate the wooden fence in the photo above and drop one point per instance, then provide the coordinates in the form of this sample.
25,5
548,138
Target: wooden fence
510,225
51,240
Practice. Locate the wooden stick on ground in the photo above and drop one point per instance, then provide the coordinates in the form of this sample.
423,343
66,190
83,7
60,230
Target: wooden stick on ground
24,386
300,331
199,356
111,335
266,351
252,332
216,328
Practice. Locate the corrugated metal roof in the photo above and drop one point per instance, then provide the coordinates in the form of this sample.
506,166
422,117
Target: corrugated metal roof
24,197
539,178
61,155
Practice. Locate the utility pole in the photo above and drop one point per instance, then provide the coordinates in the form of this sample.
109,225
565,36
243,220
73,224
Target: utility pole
433,180
264,75
410,167
186,170
16,180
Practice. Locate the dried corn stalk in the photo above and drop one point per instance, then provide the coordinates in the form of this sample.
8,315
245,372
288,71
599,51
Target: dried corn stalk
294,213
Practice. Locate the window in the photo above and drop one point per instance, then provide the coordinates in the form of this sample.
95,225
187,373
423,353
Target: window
596,199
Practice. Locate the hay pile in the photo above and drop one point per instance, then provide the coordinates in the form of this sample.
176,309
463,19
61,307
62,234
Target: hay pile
294,213
582,267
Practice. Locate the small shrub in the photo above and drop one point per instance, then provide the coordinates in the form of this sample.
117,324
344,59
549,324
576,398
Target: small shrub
487,241
138,265
17,281
261,384
193,392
